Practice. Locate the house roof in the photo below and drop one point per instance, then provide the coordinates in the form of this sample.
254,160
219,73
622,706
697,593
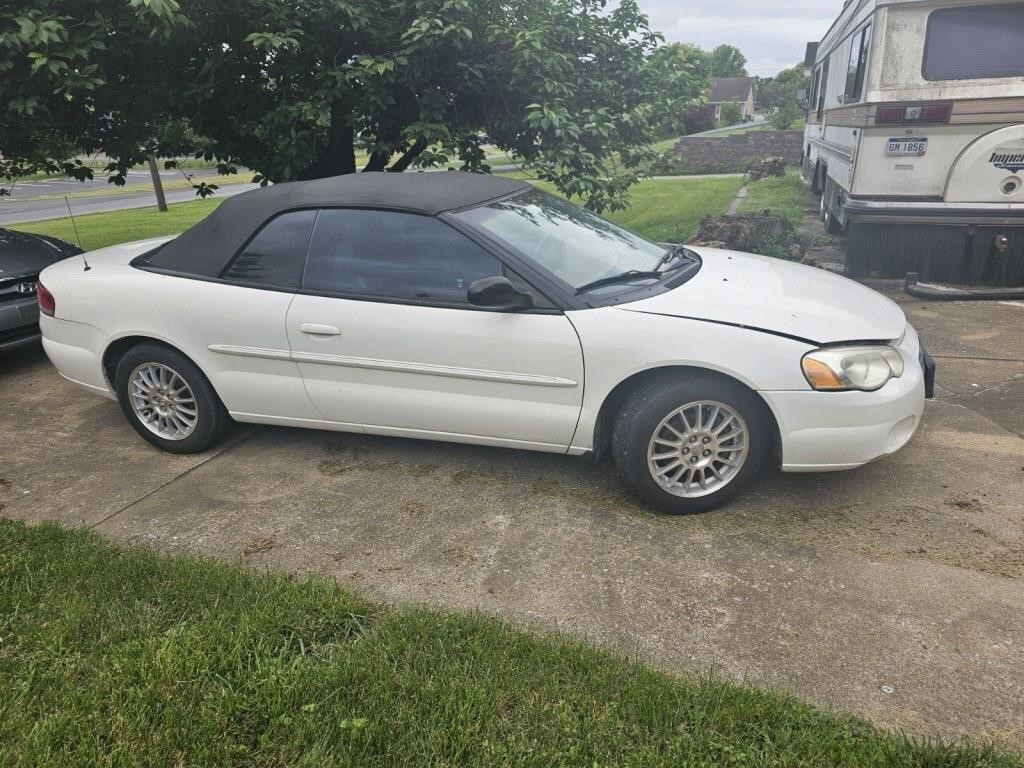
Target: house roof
208,247
730,89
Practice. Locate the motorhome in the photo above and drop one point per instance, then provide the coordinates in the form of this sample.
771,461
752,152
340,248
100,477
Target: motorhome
915,138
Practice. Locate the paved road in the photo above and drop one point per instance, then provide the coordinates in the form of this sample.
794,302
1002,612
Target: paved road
894,591
17,208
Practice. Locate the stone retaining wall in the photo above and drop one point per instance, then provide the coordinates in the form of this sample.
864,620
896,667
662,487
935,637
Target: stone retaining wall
736,153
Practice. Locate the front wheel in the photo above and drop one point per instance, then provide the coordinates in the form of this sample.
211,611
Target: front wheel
688,445
168,400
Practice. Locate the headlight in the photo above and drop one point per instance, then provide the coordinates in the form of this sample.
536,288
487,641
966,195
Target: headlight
835,369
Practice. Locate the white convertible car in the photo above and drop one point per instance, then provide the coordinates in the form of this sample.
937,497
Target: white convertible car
474,309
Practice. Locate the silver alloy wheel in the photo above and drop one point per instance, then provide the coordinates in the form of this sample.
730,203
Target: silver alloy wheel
163,401
698,449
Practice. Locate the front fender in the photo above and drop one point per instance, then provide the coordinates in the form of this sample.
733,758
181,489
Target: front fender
619,345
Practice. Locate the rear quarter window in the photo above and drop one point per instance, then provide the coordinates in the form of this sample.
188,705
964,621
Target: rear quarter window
275,257
975,42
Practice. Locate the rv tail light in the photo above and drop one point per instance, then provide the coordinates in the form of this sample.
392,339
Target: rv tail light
47,304
914,113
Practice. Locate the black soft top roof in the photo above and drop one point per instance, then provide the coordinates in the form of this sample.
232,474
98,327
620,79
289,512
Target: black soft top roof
205,249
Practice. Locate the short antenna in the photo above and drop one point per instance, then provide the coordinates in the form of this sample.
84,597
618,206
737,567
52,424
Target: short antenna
77,236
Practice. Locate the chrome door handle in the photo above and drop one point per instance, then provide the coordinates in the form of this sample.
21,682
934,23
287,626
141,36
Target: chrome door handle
314,329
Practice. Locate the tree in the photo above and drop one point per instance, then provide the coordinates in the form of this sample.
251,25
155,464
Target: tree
75,80
732,113
678,79
290,88
728,61
779,96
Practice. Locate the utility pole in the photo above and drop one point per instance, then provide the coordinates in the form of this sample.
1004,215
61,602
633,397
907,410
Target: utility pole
158,184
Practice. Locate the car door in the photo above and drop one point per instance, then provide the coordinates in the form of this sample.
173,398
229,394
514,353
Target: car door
237,324
385,338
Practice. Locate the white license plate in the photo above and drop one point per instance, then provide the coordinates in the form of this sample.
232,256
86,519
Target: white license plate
906,147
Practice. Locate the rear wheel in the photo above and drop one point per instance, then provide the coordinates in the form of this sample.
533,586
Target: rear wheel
690,445
168,400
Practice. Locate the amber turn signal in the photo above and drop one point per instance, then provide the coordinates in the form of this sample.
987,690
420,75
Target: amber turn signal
821,376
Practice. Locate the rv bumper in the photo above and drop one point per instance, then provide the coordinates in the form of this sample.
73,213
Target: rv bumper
957,243
934,212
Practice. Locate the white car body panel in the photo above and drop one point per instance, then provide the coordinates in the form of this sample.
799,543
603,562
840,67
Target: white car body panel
534,381
517,378
782,297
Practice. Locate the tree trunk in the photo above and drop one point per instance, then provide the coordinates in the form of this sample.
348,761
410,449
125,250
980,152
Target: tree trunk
158,185
378,162
338,157
407,159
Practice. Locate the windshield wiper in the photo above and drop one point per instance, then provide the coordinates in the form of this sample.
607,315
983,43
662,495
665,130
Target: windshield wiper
625,277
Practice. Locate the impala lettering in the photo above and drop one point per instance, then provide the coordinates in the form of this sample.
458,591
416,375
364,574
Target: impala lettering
1007,161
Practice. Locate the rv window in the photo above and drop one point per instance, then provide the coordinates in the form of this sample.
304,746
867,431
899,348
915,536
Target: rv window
812,101
822,90
858,65
980,41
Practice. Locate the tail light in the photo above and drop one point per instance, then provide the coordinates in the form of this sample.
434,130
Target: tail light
913,113
47,304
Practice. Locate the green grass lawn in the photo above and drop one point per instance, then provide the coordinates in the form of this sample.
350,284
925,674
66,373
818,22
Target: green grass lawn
99,230
665,211
670,210
786,196
114,657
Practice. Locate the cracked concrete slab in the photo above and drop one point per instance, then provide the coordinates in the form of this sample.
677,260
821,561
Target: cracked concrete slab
893,591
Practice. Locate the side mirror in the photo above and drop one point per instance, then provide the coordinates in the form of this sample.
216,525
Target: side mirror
802,99
498,292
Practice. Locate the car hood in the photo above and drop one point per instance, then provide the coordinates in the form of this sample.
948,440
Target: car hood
779,297
24,254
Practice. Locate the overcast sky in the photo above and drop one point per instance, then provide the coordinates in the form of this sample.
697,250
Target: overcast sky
772,35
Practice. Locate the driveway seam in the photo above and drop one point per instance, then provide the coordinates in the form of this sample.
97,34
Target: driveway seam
219,452
982,359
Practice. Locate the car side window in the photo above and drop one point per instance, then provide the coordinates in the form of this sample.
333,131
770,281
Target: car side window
276,256
396,256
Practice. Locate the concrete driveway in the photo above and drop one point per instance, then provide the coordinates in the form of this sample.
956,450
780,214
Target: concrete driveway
894,591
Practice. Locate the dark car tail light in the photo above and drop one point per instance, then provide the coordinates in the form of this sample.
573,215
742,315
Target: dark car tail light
47,304
914,113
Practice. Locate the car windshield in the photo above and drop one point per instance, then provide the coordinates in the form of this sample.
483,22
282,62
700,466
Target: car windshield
577,246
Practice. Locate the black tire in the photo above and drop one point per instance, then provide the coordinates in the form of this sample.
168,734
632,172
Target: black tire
212,419
653,402
831,224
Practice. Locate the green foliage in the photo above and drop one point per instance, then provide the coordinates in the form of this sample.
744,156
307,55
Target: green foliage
83,77
779,96
679,77
290,89
129,658
727,61
732,113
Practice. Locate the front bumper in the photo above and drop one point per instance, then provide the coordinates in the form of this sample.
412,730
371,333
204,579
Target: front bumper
19,324
833,431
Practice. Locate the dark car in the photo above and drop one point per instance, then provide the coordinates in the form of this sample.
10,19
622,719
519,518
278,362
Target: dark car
22,258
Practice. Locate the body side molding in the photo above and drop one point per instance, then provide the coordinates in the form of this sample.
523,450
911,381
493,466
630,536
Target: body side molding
396,366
